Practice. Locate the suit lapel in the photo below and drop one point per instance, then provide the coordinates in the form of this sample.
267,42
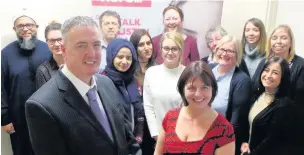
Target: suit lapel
75,100
109,106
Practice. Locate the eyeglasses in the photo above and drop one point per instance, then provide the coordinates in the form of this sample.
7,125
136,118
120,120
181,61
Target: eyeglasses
53,41
172,49
28,26
228,51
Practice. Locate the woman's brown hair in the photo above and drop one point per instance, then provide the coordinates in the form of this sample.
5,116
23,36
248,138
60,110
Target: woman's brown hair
197,69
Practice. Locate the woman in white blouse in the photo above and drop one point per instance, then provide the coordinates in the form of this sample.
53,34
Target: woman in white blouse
160,85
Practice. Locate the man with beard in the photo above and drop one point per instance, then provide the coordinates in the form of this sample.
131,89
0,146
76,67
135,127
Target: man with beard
110,23
20,60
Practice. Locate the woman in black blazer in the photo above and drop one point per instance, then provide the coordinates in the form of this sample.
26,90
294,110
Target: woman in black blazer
282,43
271,114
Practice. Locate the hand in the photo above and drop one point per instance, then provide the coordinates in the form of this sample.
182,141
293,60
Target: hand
245,148
138,139
9,128
155,138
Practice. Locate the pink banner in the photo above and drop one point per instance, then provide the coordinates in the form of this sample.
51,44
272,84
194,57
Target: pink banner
122,3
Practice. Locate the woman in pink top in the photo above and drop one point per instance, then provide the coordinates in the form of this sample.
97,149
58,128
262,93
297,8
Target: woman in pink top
173,20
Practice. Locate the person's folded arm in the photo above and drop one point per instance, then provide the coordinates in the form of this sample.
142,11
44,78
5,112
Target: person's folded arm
280,123
40,78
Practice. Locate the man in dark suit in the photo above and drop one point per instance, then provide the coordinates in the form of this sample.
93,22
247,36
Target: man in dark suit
77,112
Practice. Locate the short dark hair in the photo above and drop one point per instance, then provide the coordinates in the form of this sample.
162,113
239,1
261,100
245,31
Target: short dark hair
283,88
110,13
51,27
201,70
177,9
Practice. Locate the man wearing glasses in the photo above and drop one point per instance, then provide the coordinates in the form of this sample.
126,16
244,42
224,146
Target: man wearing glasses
19,61
48,69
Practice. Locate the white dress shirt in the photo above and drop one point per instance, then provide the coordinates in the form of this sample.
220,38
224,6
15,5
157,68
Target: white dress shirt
82,87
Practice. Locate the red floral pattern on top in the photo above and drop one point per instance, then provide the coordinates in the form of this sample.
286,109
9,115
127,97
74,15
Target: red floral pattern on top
219,134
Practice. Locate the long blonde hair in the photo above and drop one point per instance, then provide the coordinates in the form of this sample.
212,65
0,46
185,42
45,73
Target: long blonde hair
291,55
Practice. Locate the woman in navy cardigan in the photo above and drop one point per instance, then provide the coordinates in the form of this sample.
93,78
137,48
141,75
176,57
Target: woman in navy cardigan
270,120
234,86
121,66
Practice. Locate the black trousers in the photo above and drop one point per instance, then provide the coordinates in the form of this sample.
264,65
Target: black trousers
20,141
148,144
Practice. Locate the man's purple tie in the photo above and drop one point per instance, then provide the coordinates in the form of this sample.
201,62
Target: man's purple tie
99,112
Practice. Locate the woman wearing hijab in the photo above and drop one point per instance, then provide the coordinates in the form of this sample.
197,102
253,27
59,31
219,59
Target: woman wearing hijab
121,66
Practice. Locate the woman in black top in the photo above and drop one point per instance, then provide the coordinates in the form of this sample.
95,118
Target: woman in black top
282,43
271,114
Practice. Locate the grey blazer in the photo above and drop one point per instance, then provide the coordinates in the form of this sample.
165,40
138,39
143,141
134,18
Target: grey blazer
60,122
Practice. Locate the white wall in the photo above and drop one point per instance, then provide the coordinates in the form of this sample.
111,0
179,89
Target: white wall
5,144
236,13
272,13
43,12
291,13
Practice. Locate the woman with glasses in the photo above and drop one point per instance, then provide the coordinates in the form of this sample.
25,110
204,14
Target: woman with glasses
173,18
160,93
234,86
49,68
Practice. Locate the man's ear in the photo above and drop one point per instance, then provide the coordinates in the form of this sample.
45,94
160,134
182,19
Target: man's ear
14,28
